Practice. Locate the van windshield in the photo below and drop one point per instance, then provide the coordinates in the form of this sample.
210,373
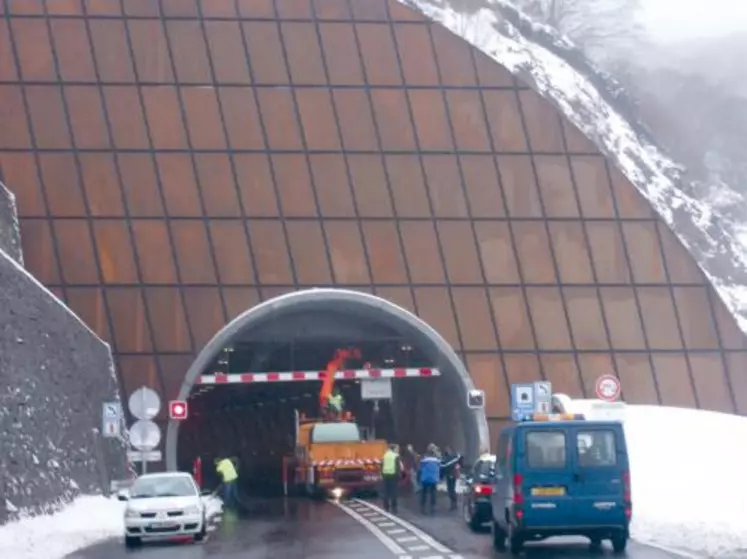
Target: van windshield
546,449
335,433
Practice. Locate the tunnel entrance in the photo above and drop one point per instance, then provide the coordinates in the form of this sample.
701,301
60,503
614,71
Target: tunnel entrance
247,383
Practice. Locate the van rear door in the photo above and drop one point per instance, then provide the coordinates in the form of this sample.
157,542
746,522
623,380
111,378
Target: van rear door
545,464
601,460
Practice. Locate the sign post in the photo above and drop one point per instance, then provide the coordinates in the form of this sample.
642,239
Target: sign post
111,420
144,405
522,400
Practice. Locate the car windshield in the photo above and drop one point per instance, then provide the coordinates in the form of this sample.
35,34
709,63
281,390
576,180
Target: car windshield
335,433
162,486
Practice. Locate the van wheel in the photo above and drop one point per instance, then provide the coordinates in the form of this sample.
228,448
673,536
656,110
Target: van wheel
619,542
499,536
132,542
595,545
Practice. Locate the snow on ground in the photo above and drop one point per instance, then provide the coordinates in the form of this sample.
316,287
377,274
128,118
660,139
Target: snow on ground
687,471
86,521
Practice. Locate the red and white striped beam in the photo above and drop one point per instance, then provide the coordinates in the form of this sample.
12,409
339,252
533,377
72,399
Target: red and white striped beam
293,376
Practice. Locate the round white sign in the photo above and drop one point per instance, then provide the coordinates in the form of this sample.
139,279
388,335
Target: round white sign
144,403
608,388
145,435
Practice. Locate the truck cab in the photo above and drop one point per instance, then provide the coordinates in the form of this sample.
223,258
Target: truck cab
561,475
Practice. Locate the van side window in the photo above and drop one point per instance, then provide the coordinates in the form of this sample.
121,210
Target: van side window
596,448
546,449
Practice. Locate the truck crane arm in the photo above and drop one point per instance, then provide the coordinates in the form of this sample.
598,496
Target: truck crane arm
336,363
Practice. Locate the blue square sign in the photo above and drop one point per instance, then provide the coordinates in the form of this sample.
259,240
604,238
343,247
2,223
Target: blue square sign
522,400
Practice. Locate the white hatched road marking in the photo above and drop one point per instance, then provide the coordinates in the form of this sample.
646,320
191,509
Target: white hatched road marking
395,532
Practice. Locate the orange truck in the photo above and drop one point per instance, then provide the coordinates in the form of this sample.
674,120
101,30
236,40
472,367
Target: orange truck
331,459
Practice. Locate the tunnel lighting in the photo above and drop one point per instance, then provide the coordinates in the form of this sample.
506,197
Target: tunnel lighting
406,348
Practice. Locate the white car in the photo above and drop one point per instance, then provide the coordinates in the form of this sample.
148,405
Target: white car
163,505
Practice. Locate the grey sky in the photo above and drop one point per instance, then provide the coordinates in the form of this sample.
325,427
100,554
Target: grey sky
684,19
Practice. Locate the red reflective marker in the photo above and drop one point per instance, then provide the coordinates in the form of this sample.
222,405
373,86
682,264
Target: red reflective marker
178,410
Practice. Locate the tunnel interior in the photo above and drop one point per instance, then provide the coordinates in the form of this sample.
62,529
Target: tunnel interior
254,422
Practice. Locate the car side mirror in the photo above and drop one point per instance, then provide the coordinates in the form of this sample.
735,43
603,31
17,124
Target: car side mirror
122,496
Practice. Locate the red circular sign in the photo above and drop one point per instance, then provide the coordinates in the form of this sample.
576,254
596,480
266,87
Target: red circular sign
608,388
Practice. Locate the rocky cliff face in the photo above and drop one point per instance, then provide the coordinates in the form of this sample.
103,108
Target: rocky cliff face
10,232
54,375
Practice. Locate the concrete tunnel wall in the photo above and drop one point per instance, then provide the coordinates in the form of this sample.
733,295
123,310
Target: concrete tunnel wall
443,356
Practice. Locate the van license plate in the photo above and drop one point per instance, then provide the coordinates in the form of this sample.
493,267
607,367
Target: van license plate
548,491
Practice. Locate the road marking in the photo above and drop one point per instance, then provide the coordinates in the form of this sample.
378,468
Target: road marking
416,531
371,527
396,531
417,548
407,539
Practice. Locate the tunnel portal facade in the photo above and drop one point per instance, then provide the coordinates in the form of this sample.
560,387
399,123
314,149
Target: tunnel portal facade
181,165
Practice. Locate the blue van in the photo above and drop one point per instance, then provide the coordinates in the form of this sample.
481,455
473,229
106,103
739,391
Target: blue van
560,475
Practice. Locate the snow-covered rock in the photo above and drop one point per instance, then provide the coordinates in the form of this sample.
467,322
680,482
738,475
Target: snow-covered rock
549,63
54,375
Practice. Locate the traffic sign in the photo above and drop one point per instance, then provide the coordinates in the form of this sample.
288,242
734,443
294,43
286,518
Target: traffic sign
145,435
178,410
542,396
608,388
111,419
144,456
476,399
522,400
376,389
144,403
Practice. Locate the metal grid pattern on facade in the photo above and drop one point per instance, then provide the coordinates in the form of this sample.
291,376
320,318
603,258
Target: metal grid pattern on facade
176,163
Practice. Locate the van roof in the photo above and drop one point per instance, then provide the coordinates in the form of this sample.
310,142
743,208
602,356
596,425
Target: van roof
569,423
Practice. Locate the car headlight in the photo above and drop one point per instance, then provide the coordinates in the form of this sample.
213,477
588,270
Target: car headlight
194,509
130,513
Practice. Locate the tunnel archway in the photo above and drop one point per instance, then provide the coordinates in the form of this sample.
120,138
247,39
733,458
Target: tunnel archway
442,356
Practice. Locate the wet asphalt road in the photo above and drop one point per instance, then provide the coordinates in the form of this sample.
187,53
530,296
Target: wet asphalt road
296,529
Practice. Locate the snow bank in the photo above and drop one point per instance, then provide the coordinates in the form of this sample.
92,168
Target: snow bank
84,522
687,468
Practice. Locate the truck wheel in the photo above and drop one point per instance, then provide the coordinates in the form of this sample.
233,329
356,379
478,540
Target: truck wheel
499,536
619,542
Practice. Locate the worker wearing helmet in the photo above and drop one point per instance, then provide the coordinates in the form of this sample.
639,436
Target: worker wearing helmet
336,402
229,480
391,468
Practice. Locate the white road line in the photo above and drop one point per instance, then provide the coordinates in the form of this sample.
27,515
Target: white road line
396,531
418,548
385,524
407,539
378,534
415,530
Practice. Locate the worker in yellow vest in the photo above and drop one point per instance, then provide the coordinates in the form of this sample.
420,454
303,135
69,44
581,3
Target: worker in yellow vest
391,469
336,403
229,480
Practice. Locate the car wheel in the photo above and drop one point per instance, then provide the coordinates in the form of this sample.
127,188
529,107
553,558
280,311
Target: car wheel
199,536
131,542
619,542
595,545
499,536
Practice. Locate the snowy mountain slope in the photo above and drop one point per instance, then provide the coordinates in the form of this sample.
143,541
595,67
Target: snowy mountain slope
496,28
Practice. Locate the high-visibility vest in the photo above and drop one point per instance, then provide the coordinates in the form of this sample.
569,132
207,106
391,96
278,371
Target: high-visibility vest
335,401
227,471
389,463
